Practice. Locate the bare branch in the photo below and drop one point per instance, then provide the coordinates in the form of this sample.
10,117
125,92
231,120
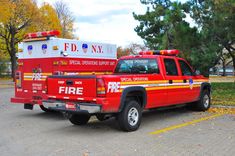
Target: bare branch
24,25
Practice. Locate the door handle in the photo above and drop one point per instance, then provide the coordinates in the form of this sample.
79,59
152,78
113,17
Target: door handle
184,81
170,81
69,82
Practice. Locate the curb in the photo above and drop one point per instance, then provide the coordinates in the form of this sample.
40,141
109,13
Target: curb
6,86
222,106
222,109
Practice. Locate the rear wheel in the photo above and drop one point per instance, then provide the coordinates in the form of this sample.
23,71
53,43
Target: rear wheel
46,109
129,118
79,119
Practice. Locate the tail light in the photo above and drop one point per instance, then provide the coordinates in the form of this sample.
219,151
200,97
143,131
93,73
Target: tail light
18,79
100,87
58,73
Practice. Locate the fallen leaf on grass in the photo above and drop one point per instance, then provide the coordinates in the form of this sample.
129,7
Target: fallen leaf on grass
222,110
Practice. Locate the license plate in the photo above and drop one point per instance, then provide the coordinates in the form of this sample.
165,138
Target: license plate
53,105
36,86
70,106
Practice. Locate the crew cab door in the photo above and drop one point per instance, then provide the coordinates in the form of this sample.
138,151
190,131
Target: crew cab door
192,91
143,72
174,83
155,91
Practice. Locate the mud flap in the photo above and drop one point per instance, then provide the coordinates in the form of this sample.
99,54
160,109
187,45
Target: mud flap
28,106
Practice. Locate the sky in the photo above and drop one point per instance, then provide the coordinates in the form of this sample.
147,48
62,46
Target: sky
108,21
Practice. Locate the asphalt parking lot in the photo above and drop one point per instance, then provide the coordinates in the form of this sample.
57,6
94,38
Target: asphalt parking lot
166,132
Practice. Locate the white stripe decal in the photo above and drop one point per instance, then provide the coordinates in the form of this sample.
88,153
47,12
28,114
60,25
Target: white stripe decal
160,85
124,86
52,96
27,76
80,98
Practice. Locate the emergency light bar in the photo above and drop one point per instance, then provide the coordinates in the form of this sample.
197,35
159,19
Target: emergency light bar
172,52
42,34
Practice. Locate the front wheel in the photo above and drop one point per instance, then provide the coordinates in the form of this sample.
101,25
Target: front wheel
203,103
79,119
129,118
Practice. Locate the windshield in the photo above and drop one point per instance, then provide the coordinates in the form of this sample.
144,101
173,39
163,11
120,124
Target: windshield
137,66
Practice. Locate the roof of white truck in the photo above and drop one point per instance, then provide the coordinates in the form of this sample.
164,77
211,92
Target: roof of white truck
52,47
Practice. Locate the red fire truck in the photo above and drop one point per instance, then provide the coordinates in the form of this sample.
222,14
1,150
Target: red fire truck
150,80
42,54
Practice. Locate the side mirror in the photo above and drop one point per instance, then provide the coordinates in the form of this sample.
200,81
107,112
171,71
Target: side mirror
197,72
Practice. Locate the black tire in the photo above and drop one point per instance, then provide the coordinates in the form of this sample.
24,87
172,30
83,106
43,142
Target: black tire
203,103
129,118
46,109
79,119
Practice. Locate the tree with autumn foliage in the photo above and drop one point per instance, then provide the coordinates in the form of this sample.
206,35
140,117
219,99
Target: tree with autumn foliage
66,19
49,18
122,52
15,18
19,17
131,49
135,48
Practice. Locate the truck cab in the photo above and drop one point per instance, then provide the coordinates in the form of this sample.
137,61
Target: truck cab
150,80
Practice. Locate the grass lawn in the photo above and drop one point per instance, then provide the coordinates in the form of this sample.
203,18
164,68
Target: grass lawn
223,93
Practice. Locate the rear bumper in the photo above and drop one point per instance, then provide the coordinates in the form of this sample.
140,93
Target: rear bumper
25,100
72,107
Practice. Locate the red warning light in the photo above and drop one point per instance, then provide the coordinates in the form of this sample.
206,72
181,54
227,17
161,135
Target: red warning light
43,34
172,52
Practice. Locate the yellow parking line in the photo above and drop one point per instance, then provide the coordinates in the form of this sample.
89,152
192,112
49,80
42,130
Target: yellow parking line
185,124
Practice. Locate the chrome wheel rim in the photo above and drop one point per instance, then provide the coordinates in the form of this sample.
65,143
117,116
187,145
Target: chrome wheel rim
133,116
206,101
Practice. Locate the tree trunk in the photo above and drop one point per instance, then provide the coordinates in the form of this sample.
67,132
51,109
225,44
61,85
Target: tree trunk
13,65
13,52
233,66
229,49
224,69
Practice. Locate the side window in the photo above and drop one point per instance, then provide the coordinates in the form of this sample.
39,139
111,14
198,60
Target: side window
170,66
153,67
186,70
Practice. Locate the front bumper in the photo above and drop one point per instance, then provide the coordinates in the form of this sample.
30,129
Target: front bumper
72,107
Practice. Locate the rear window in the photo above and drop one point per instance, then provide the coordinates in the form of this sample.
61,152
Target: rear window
137,66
